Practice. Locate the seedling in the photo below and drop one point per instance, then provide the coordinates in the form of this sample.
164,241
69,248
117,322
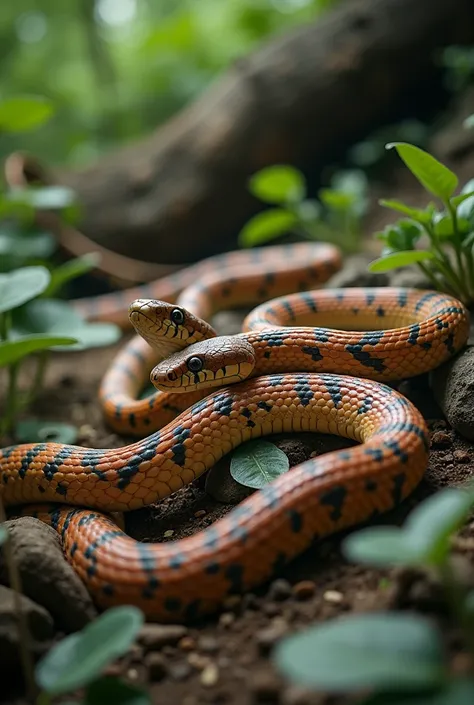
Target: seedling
446,232
334,218
397,657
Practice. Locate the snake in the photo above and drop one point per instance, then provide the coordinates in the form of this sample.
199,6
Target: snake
313,360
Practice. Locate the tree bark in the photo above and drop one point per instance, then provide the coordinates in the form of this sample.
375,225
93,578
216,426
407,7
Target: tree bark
180,194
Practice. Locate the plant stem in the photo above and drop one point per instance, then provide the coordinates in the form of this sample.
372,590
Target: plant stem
36,385
443,263
455,595
23,631
11,401
457,241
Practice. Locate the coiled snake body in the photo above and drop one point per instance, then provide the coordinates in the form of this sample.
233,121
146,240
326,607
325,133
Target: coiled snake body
301,375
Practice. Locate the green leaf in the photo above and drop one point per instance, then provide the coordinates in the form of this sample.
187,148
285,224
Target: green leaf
278,184
257,463
13,350
308,211
457,200
465,209
423,540
378,650
266,226
34,431
26,246
111,691
18,287
469,123
3,535
47,197
432,523
434,176
23,113
71,270
416,213
456,692
399,259
77,660
337,200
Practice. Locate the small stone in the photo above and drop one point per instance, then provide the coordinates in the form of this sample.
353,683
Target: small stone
232,602
187,643
462,456
46,576
132,674
157,666
226,619
279,590
113,670
197,661
439,439
304,589
180,671
200,513
208,644
265,686
155,636
210,675
295,695
267,638
168,534
272,609
333,596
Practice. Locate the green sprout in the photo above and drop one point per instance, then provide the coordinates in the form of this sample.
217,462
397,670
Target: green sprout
446,232
335,218
393,658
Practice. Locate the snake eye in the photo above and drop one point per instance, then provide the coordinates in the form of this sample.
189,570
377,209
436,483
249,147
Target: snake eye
177,316
195,364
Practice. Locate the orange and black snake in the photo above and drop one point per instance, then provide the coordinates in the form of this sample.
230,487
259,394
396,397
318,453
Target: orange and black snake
301,374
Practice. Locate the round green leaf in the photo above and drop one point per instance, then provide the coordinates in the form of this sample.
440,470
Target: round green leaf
434,176
456,692
278,184
381,650
13,350
257,463
399,259
457,200
337,200
80,658
111,691
267,226
34,431
431,524
381,546
3,535
23,113
96,335
18,287
26,246
415,213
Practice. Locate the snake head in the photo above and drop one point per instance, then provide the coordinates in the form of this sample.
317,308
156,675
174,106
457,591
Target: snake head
208,363
167,326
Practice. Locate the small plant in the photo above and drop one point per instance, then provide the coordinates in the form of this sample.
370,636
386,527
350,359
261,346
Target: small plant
446,234
78,661
33,321
396,657
336,217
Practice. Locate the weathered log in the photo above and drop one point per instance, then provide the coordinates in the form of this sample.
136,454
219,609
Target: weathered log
180,194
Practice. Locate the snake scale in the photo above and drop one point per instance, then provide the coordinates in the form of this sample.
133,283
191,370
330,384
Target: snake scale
306,361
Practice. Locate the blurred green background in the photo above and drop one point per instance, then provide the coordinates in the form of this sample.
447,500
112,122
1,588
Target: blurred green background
115,69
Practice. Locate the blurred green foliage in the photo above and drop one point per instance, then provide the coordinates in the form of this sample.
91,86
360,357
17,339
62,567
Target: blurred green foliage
115,69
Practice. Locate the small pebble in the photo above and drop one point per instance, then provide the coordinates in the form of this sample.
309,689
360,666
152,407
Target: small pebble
157,666
271,609
197,661
232,602
226,619
462,456
440,439
333,596
208,644
168,534
267,638
304,589
180,671
132,674
200,513
295,695
279,590
187,643
210,675
114,670
265,687
155,636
